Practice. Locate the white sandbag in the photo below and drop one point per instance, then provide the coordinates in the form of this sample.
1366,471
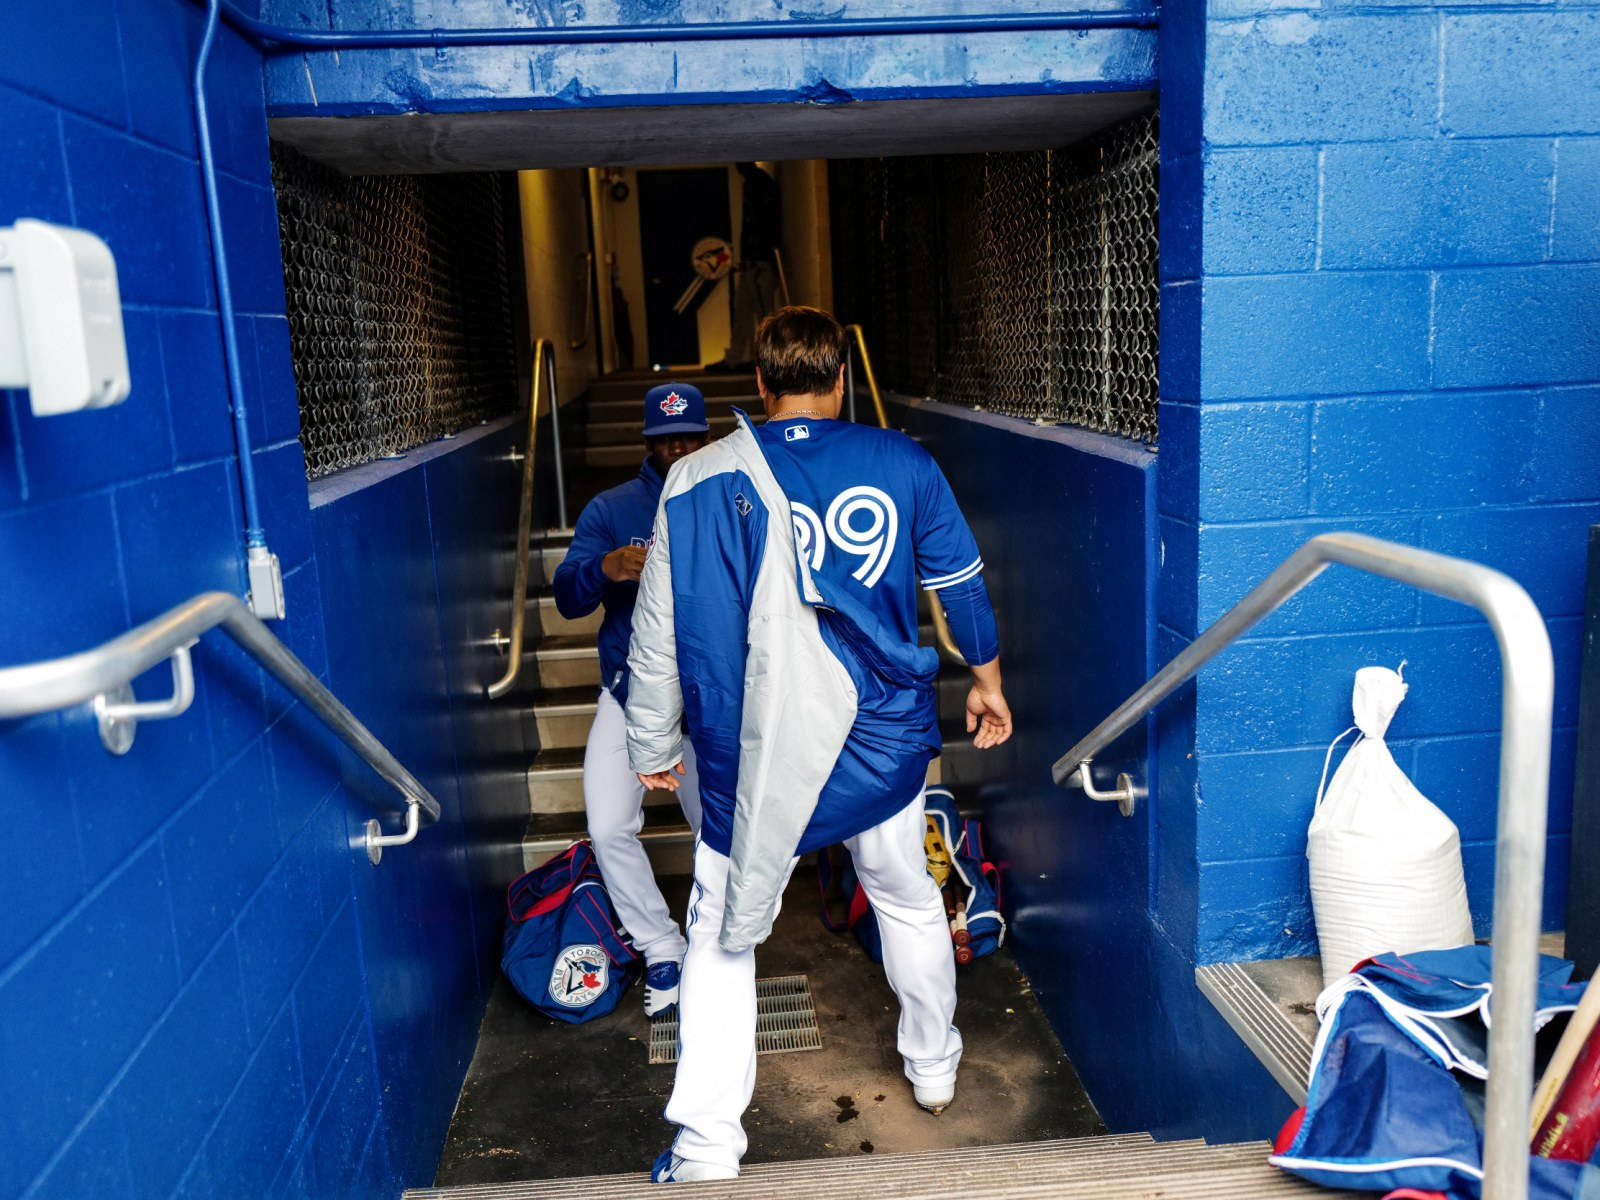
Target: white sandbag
1385,862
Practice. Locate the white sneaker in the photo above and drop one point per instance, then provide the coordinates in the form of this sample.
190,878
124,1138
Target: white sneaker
934,1098
670,1168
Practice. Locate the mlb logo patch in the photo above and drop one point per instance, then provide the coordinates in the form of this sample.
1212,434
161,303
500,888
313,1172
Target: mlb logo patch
579,976
674,405
796,433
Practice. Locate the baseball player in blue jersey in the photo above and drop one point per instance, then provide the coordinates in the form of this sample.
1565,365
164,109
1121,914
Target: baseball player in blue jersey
778,616
602,567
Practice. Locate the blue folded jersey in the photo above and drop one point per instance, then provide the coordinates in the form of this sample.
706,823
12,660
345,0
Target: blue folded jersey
1402,1036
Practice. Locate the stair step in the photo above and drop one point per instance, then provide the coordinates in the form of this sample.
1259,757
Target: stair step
1271,1005
542,564
666,836
631,409
627,433
632,387
1121,1168
563,716
555,783
552,623
570,661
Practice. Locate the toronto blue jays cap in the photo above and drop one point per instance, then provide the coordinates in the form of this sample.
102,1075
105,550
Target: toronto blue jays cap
674,408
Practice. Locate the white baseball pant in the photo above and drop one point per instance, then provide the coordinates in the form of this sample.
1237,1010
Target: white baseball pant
717,1001
613,800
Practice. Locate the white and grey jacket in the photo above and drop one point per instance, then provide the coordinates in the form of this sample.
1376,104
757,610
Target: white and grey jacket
726,640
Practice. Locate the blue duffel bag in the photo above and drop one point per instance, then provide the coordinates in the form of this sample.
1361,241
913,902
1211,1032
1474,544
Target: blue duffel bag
975,880
562,950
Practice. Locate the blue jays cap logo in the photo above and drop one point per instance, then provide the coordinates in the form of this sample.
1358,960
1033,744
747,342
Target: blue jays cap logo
579,976
674,405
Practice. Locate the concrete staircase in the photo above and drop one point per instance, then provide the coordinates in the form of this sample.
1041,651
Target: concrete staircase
1120,1167
563,656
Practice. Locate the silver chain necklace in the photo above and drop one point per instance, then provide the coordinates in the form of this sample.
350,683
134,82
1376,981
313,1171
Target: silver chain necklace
799,412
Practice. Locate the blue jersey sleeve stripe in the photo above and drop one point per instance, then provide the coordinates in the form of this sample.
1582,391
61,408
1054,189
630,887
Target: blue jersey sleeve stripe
966,572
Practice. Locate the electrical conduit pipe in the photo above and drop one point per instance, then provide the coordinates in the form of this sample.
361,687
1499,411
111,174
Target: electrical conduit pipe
266,578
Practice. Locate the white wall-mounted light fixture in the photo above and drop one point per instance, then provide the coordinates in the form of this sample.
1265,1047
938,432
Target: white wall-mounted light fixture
60,318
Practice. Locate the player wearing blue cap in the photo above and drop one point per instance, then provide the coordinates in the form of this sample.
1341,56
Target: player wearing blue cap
602,566
795,661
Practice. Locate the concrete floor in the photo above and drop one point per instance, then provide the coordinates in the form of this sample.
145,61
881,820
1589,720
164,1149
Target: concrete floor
547,1100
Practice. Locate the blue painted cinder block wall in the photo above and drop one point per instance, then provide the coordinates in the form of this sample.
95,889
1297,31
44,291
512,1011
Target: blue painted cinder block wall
1378,312
205,990
1380,307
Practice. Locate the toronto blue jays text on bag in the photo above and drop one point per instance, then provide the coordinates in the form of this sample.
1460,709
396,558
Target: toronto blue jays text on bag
562,949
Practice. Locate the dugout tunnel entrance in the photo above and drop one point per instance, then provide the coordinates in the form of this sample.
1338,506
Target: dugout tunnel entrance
1000,255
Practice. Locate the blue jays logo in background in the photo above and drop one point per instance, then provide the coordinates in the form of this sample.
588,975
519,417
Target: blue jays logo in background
796,433
579,977
674,404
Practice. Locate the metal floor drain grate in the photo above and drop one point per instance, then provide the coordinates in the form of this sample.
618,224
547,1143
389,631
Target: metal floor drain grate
786,1021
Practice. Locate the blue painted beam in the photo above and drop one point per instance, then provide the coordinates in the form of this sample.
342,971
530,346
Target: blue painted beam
763,56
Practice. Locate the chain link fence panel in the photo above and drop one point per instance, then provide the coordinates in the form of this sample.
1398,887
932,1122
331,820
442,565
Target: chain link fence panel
400,307
1022,283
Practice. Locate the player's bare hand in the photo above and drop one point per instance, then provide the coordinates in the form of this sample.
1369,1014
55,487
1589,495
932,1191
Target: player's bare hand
624,563
663,779
988,716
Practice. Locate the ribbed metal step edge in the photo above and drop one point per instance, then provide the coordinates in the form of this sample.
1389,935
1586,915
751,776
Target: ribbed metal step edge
1279,1045
810,1169
1086,1167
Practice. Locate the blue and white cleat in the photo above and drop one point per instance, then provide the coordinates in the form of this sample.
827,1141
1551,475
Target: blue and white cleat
661,986
670,1168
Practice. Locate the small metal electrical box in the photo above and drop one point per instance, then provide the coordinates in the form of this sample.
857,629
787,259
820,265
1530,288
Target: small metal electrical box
60,318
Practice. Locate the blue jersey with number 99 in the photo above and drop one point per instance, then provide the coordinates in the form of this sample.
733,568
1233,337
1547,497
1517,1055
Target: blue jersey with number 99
875,520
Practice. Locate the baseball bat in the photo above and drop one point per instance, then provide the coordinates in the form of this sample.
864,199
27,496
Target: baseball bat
1567,1050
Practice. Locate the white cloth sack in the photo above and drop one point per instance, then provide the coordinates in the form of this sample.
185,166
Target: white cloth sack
1385,862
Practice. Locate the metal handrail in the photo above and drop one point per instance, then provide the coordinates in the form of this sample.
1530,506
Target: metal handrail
1527,697
555,438
872,380
941,625
543,362
589,303
106,670
783,276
